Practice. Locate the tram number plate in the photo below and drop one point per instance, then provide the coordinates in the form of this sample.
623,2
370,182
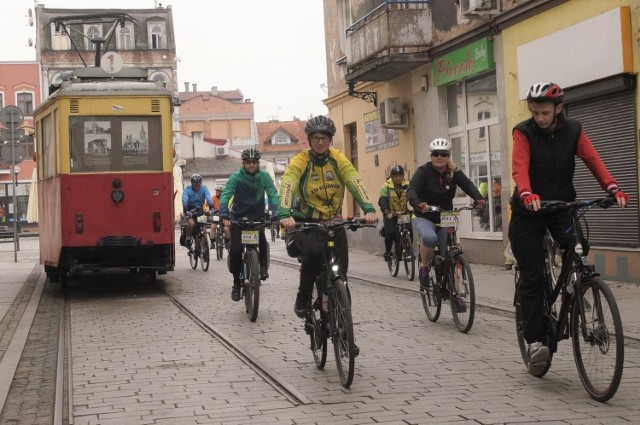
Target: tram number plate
404,219
449,219
202,219
249,237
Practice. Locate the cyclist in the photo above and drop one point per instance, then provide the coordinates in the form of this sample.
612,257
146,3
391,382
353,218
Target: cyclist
194,196
543,165
435,184
247,186
216,206
392,201
312,189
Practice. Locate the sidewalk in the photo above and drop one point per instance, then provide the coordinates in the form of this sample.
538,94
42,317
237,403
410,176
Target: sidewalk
494,285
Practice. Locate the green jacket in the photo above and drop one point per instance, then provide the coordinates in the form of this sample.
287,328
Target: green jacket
393,198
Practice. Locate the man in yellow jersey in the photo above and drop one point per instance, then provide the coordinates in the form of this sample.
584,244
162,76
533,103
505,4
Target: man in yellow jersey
312,190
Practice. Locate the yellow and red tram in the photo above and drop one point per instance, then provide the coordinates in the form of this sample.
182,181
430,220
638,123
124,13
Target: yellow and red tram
105,183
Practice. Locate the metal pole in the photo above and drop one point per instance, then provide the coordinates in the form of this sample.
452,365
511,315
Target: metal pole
15,187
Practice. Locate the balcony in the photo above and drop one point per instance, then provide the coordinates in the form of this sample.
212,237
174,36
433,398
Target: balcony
390,41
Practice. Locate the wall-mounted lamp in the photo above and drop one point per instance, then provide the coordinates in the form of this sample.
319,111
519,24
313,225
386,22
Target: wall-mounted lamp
424,86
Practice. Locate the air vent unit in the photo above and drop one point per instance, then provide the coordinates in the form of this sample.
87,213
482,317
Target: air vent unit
222,151
391,113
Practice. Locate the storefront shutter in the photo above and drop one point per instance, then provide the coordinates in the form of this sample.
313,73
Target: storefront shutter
610,123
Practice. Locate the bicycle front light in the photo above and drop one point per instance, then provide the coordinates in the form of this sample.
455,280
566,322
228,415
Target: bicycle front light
335,268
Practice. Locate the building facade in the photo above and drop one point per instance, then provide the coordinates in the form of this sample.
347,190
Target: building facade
403,73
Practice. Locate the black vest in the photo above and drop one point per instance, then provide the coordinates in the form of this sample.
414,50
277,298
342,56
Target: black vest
552,159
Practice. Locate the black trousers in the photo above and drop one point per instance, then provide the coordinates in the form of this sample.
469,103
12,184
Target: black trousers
235,249
313,256
526,234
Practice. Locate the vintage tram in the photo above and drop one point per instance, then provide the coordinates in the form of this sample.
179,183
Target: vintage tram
105,184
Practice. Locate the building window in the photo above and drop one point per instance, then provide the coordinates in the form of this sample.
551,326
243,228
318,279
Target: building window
282,161
281,139
25,102
59,39
92,32
475,139
157,38
125,37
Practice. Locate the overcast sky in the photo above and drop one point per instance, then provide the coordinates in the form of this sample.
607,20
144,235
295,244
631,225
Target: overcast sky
271,50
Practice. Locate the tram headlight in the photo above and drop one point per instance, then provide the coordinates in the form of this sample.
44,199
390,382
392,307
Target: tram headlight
157,223
79,224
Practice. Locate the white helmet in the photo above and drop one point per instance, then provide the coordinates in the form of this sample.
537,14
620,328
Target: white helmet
220,188
440,144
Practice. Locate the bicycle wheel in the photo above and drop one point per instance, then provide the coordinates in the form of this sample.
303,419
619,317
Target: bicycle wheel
342,332
204,252
393,263
408,257
316,332
431,300
252,286
598,343
553,257
193,255
219,246
463,295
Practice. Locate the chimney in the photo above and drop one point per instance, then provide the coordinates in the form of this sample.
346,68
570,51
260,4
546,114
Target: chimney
186,87
214,90
195,87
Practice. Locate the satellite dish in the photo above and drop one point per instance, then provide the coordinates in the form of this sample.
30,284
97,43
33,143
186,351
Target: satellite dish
30,42
29,13
30,21
111,63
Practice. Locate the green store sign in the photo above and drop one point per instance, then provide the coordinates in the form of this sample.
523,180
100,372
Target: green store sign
464,62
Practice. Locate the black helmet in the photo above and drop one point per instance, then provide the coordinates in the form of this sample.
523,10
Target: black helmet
196,179
397,170
321,124
251,153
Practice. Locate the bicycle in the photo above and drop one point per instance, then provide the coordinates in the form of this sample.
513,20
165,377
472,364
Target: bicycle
218,238
329,309
591,319
450,276
200,240
403,248
250,271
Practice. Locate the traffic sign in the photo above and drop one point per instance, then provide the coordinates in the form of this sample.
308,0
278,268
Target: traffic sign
18,134
11,116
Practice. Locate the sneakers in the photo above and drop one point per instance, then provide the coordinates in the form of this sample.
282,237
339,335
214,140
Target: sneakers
387,256
235,292
302,301
264,273
423,276
538,358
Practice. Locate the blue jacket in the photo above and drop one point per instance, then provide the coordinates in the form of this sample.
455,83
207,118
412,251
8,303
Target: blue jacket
192,199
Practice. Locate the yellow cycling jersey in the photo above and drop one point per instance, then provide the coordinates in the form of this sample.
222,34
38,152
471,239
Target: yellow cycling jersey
313,188
396,197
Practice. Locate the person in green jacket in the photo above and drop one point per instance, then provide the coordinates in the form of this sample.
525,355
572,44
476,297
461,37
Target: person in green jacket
312,189
247,188
392,201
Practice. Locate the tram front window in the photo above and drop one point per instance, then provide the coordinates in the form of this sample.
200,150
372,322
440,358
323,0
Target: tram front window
106,143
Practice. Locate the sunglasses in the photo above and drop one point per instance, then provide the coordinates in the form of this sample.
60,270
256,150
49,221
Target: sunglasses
440,154
251,161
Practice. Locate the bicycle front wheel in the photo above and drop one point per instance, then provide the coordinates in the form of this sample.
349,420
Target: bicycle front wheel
252,286
463,295
204,252
393,263
430,293
408,257
219,247
316,332
342,332
193,257
597,339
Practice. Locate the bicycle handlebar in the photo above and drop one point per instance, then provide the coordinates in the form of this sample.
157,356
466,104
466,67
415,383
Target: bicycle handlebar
605,202
351,223
434,208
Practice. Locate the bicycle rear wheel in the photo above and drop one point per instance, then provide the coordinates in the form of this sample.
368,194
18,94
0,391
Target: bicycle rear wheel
342,332
204,252
408,257
599,354
316,332
463,295
431,300
393,263
252,286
